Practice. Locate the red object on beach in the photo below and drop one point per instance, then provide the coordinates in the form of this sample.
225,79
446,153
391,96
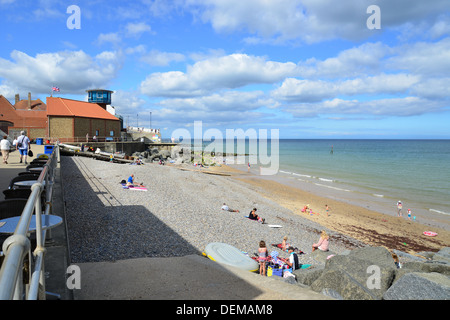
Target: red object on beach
430,233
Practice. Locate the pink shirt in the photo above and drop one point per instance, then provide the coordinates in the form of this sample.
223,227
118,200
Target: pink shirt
322,245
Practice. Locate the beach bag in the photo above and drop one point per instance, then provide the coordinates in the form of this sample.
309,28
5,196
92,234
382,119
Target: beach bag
30,153
19,144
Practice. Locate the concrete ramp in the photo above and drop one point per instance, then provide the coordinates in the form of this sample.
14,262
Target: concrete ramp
192,277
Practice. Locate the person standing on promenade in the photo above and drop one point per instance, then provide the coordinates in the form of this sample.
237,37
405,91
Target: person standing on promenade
23,145
399,208
5,146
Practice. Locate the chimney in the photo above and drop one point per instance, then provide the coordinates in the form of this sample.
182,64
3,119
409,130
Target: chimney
29,100
17,98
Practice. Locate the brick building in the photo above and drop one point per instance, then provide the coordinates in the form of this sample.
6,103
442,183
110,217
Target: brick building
71,120
28,115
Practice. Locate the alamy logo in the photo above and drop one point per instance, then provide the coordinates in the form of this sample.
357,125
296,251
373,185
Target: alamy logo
374,21
74,280
262,150
74,21
374,280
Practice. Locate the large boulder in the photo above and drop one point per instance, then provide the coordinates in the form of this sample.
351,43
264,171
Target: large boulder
181,154
164,154
321,256
307,276
365,273
420,286
443,256
343,283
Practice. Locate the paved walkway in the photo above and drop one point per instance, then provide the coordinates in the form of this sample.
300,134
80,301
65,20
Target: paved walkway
13,168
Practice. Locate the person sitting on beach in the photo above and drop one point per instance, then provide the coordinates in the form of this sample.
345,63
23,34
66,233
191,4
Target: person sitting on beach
323,242
262,257
293,259
226,208
130,182
284,244
253,216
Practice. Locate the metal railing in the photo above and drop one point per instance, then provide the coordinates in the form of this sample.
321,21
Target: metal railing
18,246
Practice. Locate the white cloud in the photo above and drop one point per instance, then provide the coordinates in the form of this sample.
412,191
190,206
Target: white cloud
112,37
227,72
158,58
317,90
137,29
71,71
311,20
407,106
425,58
127,102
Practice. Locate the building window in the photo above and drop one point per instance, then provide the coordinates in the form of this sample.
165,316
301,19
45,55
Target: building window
97,132
111,133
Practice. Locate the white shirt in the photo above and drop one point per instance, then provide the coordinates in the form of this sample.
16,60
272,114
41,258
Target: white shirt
5,144
225,207
24,140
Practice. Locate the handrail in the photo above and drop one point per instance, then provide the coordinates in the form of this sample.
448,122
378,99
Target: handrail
17,246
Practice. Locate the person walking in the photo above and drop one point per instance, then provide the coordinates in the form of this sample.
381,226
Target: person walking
5,146
23,145
399,208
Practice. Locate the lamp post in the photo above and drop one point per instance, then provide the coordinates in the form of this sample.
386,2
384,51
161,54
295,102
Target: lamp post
150,119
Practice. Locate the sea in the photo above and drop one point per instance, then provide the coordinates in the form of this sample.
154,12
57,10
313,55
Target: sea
371,173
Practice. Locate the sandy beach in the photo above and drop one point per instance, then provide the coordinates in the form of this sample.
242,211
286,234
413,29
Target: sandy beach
369,226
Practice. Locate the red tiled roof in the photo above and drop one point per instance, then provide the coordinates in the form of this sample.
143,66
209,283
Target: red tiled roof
71,108
35,105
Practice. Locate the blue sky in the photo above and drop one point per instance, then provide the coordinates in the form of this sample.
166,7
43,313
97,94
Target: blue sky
310,68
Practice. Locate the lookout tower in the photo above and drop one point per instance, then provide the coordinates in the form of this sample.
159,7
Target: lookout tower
100,96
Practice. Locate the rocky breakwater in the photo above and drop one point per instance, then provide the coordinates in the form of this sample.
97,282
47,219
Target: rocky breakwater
178,155
370,273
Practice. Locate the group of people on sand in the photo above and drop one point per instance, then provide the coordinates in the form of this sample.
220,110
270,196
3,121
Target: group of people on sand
307,209
292,262
399,210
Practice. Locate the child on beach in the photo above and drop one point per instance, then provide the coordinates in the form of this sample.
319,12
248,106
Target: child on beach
262,257
399,208
327,208
284,244
409,214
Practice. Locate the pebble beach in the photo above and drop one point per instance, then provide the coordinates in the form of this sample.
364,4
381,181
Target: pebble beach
181,214
178,215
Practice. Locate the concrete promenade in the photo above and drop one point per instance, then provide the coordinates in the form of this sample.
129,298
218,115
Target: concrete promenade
193,277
